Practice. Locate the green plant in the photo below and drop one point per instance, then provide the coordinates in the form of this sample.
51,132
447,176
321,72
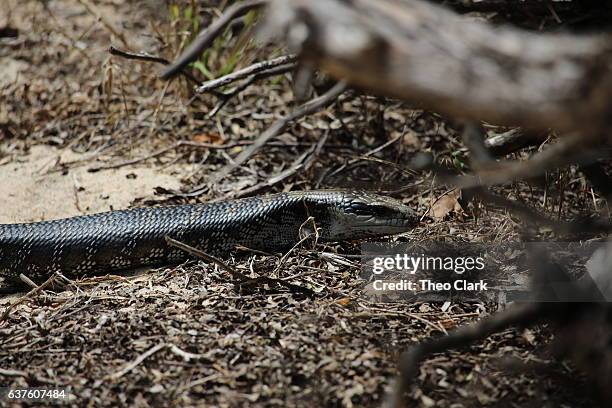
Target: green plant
227,52
458,160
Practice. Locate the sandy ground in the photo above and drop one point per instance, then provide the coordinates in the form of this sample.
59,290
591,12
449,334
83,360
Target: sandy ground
36,187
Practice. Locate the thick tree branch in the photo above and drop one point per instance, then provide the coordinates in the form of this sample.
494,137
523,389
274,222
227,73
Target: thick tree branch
426,54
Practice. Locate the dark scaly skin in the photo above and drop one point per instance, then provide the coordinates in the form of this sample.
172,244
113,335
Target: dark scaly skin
116,240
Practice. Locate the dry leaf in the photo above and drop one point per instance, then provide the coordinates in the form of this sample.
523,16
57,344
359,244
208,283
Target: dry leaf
446,204
213,138
447,323
344,301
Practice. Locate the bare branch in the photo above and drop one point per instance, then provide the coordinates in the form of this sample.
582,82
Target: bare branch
225,98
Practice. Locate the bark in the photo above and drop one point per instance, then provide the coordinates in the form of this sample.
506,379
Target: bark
513,141
423,53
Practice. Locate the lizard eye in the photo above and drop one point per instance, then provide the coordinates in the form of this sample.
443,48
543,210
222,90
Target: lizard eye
358,208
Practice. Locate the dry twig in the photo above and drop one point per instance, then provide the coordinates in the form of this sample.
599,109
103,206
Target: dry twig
308,108
27,296
277,65
148,58
129,367
240,278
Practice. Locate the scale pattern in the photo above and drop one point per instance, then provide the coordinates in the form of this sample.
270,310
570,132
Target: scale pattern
106,242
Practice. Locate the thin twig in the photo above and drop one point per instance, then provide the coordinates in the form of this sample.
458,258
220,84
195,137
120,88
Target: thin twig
303,162
241,278
285,61
159,152
149,58
308,108
226,97
142,56
136,362
27,296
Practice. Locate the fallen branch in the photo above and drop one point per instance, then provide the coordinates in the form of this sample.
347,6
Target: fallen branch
521,314
442,61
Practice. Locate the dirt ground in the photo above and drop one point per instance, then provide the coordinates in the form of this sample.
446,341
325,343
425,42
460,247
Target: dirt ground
82,131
